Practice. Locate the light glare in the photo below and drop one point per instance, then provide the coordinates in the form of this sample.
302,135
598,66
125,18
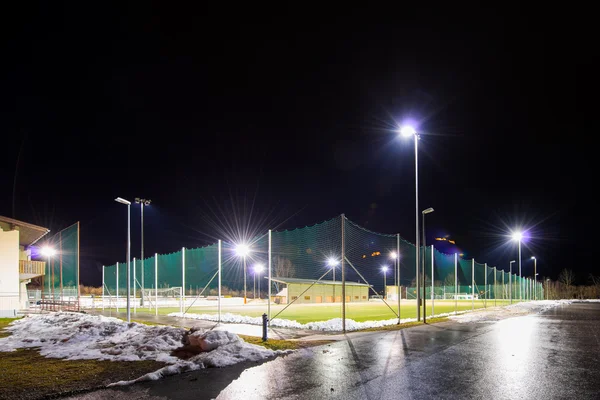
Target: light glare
393,255
48,251
384,269
517,236
332,262
242,250
407,131
258,268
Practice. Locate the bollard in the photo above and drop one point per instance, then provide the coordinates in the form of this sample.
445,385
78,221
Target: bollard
265,320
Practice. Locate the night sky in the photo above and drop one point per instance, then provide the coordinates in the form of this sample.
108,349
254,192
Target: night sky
287,117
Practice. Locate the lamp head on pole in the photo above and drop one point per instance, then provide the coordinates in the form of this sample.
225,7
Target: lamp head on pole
393,255
123,201
242,250
48,251
533,258
512,262
384,269
258,268
408,131
427,211
517,236
332,262
144,202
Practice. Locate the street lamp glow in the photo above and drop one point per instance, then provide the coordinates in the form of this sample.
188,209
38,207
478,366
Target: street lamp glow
242,250
517,236
393,255
533,258
384,269
408,131
48,251
258,268
332,262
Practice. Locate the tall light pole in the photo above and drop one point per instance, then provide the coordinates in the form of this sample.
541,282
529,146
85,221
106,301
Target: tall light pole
535,275
424,212
510,279
258,268
394,257
142,203
408,131
128,204
332,263
518,236
243,250
384,269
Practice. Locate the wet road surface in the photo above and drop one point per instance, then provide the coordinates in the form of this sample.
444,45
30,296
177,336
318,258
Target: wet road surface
554,355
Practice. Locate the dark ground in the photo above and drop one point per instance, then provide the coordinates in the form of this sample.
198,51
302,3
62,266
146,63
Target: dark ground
552,355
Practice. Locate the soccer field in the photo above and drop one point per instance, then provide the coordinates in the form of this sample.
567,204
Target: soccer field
360,312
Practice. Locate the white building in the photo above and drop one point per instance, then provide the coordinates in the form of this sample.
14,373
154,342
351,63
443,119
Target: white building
16,267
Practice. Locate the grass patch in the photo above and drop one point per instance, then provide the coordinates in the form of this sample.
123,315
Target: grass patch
4,322
28,375
359,312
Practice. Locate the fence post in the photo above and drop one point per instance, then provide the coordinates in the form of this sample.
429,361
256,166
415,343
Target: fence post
485,285
219,258
432,283
117,287
455,282
398,272
155,283
182,298
134,280
269,265
103,288
472,284
343,279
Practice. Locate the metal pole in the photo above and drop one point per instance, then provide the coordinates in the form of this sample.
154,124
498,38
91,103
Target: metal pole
219,266
134,290
103,288
117,287
254,286
520,276
495,287
60,264
343,278
424,256
155,283
182,278
455,283
432,281
485,285
398,272
535,276
384,283
128,262
510,281
417,245
142,255
269,266
472,284
245,279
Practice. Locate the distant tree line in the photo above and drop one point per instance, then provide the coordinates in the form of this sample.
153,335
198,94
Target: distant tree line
565,287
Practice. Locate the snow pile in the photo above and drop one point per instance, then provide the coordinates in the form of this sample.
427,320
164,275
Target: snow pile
513,310
335,325
76,336
332,325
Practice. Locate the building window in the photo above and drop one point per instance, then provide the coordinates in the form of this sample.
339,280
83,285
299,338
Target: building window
355,297
294,297
364,297
306,297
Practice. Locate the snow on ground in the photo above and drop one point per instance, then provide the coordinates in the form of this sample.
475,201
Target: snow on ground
76,336
335,325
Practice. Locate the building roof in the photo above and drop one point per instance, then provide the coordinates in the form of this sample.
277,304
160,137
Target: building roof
321,282
28,233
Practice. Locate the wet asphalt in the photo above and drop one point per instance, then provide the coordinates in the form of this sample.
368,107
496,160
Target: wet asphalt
552,355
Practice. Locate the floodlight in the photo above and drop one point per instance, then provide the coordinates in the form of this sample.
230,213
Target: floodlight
407,131
242,250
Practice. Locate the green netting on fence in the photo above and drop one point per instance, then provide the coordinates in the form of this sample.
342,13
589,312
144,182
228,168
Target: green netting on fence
315,252
62,270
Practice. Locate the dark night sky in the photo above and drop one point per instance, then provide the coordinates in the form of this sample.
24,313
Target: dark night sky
291,114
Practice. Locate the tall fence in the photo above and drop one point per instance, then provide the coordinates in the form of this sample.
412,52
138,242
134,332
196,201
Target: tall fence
337,251
61,279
